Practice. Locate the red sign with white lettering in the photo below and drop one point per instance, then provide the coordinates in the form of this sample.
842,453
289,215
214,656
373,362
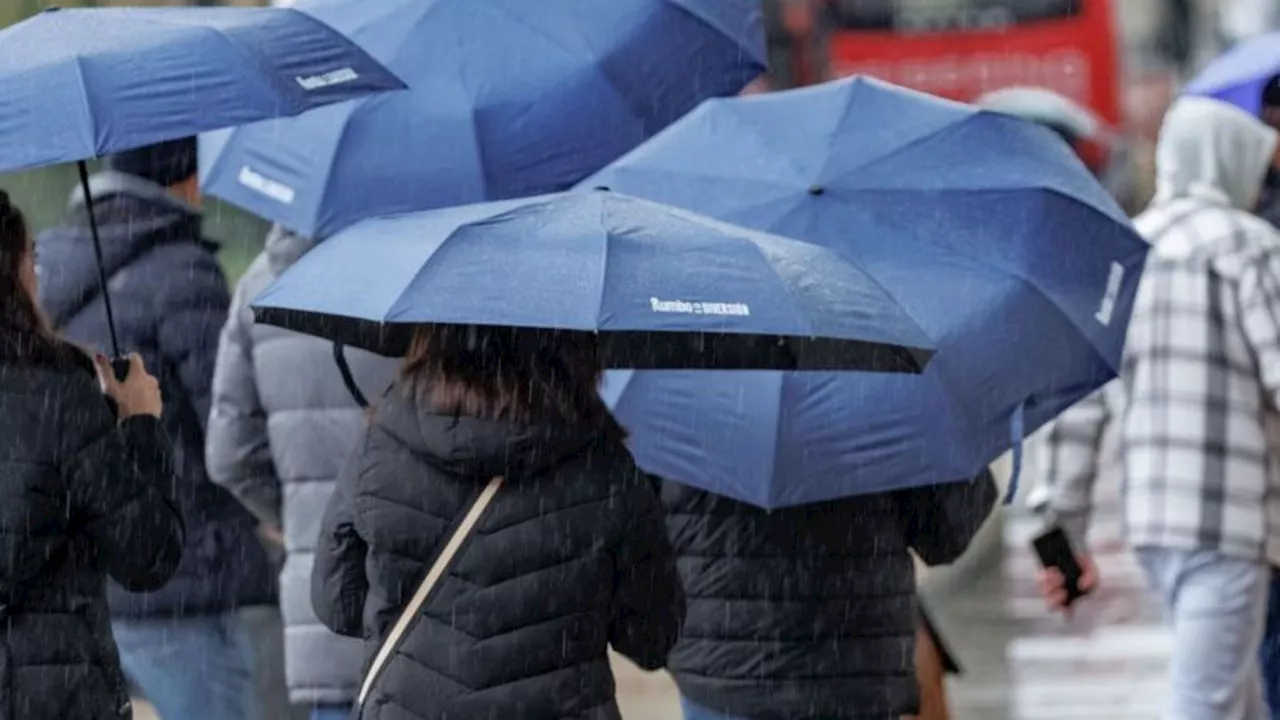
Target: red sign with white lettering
1073,53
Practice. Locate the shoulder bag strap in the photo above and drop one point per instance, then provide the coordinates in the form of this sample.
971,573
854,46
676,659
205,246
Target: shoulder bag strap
438,569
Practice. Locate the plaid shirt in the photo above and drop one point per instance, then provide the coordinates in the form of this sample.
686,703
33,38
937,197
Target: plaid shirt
1197,396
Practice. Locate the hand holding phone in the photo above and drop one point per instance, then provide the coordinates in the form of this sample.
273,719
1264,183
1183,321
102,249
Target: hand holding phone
1067,577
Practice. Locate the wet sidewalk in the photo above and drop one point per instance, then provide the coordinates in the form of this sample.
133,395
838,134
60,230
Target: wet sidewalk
1025,664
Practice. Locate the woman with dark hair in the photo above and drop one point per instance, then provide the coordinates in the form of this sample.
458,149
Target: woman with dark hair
87,480
494,444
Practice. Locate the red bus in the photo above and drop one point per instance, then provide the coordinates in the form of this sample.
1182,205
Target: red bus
961,49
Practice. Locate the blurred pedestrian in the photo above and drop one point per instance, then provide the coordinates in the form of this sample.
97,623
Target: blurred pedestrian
185,645
87,485
281,428
570,557
1195,409
810,611
1269,210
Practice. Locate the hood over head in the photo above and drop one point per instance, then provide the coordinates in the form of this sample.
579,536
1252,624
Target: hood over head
134,215
285,247
1214,151
480,449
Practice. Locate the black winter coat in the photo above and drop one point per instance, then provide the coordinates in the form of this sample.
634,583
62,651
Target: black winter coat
571,557
810,611
170,299
84,498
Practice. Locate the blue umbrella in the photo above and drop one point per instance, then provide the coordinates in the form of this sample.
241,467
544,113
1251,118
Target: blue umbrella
508,98
987,229
1239,75
663,287
76,84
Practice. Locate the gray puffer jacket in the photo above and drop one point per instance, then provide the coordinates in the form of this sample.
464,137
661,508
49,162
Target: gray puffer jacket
281,427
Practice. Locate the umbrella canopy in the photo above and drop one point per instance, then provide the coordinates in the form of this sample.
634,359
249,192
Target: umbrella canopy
508,98
77,84
663,287
1240,75
987,229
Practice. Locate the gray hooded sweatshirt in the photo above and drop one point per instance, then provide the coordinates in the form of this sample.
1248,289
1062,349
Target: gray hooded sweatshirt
281,427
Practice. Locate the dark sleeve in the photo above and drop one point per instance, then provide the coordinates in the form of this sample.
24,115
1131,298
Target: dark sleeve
939,521
237,449
121,481
338,582
648,598
193,308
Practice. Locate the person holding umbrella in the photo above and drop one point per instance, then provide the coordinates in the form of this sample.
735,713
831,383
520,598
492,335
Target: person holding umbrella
88,485
572,557
492,535
186,645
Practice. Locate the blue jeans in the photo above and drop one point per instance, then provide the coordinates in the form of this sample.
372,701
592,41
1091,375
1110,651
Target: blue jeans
331,712
1271,647
194,668
1217,606
697,712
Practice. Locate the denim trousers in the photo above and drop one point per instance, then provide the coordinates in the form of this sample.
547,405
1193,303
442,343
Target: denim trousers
331,712
191,668
1217,607
697,712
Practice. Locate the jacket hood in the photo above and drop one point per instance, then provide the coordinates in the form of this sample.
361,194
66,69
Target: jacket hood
285,247
134,215
475,448
1212,151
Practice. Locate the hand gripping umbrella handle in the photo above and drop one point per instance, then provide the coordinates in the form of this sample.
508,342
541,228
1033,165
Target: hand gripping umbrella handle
119,363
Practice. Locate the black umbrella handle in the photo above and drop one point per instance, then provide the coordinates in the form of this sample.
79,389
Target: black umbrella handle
120,368
116,356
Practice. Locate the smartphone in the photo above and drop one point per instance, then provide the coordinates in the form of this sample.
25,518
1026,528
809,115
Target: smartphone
1054,549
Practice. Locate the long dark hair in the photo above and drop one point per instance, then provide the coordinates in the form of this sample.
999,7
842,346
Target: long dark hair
25,335
517,375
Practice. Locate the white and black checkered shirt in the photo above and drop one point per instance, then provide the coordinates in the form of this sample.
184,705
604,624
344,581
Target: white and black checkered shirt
1197,395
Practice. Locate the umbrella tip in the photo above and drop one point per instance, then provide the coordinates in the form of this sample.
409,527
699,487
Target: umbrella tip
601,188
816,190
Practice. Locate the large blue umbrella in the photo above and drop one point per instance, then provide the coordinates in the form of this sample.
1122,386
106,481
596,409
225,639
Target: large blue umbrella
76,84
662,287
985,227
508,98
1239,75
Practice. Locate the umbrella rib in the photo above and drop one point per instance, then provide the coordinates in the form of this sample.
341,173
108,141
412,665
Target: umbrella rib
87,106
861,167
279,90
1020,277
718,27
807,320
604,267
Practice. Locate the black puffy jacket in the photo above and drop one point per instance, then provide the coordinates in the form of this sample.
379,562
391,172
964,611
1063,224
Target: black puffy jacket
170,299
571,557
810,611
84,498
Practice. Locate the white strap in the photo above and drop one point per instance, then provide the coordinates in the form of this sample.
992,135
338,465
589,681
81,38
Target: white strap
389,646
